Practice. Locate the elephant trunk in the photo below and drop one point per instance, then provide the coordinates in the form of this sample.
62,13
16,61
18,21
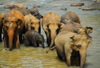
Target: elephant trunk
53,35
43,45
10,35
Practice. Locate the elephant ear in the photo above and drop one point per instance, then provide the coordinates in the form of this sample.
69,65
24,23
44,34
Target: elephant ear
89,40
19,22
46,27
60,25
79,30
89,30
71,40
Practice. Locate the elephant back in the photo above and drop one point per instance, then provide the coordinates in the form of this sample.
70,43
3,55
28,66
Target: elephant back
71,26
70,16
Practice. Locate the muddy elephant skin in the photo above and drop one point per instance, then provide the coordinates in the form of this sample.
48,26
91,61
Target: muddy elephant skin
33,38
70,16
68,42
13,25
51,25
32,23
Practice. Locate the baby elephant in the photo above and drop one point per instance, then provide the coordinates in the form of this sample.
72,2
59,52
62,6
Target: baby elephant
33,38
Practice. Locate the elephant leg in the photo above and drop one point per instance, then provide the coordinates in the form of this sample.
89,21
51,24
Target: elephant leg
68,52
20,39
59,57
37,44
17,42
26,42
39,29
0,37
48,41
34,43
79,58
83,53
5,43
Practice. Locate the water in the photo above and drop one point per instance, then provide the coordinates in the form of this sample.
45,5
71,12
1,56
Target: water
30,57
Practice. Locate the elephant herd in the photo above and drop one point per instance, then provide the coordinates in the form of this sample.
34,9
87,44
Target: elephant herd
64,33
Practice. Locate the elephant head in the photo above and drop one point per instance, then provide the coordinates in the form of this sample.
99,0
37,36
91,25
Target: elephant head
52,28
11,25
32,23
40,40
80,43
35,12
35,24
81,30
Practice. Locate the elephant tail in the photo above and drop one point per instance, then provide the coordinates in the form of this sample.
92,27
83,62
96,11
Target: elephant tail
50,49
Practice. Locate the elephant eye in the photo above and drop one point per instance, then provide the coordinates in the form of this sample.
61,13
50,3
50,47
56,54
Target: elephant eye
32,23
79,46
6,21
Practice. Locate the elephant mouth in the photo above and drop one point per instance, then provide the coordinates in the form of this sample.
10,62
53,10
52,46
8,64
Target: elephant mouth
32,28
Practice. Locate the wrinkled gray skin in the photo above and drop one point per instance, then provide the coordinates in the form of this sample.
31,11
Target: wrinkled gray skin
70,44
70,16
33,38
33,11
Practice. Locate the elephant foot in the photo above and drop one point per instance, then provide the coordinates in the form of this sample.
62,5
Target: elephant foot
0,40
21,42
5,48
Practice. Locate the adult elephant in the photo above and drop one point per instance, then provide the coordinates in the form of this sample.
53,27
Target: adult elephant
77,28
13,25
1,25
70,16
69,44
33,11
51,25
32,23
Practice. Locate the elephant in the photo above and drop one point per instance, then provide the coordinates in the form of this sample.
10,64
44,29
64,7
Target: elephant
33,38
69,44
1,25
32,22
17,5
51,25
77,4
13,25
71,26
7,6
77,28
70,17
33,11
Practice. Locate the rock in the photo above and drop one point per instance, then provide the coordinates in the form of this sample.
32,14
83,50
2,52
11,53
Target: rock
88,8
37,6
77,4
63,9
